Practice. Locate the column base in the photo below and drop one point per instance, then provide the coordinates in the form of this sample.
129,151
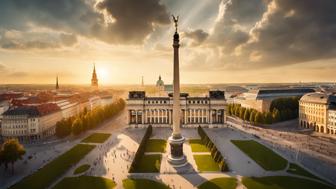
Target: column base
176,157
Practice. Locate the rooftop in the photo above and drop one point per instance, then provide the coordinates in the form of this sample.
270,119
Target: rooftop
319,97
33,111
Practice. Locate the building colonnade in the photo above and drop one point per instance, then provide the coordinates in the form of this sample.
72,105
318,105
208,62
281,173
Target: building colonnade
164,116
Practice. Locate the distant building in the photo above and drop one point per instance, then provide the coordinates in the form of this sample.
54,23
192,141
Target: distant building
94,79
261,99
57,86
316,111
94,102
68,108
169,89
142,81
331,126
160,84
30,123
206,111
106,100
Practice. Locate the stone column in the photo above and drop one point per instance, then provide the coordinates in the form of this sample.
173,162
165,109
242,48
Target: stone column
136,116
129,117
185,116
176,156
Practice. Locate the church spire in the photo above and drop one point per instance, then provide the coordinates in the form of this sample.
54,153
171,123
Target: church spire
57,86
94,79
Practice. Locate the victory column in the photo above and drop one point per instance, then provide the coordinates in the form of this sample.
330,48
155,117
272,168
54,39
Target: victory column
176,140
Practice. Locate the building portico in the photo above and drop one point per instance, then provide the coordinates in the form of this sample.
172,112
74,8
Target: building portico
157,111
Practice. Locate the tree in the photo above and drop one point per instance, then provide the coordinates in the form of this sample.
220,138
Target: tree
268,117
252,115
258,118
247,115
236,110
12,151
242,112
276,115
229,109
77,126
63,128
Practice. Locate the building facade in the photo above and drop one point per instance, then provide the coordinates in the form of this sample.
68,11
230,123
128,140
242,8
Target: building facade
206,111
261,99
68,108
30,123
331,126
316,111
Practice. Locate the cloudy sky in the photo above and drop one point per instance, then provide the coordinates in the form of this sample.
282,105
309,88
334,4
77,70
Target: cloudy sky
222,41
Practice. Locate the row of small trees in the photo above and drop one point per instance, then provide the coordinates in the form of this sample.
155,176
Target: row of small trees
141,150
215,153
254,116
281,104
10,152
88,119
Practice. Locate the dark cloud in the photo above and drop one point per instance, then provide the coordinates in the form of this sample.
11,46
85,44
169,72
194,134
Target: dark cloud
197,36
134,20
266,33
36,40
68,39
295,31
112,21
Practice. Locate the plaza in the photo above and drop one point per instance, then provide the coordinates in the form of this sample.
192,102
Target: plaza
109,161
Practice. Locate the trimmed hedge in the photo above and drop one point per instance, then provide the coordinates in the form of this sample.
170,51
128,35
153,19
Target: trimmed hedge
215,153
141,150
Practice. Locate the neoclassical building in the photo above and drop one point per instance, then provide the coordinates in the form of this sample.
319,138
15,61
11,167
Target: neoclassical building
206,111
316,111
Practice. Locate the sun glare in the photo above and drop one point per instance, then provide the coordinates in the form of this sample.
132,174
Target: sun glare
103,74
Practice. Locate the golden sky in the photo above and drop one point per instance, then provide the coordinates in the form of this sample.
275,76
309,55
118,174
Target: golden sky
228,41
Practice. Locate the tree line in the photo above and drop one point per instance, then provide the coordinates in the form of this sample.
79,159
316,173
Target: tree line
141,150
215,153
10,152
88,119
281,109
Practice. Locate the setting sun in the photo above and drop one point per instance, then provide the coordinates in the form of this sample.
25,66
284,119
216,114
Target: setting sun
104,74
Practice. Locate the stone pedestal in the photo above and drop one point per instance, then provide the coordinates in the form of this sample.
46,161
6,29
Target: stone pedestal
176,157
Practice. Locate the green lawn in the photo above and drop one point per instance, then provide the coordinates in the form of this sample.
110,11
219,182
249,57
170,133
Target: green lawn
96,138
143,184
54,169
197,146
81,169
156,145
282,182
219,183
297,170
85,182
262,155
149,164
206,163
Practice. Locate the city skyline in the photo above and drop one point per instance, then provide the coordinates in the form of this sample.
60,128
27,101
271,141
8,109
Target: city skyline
230,41
165,94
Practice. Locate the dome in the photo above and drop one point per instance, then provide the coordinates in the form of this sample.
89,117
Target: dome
159,82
